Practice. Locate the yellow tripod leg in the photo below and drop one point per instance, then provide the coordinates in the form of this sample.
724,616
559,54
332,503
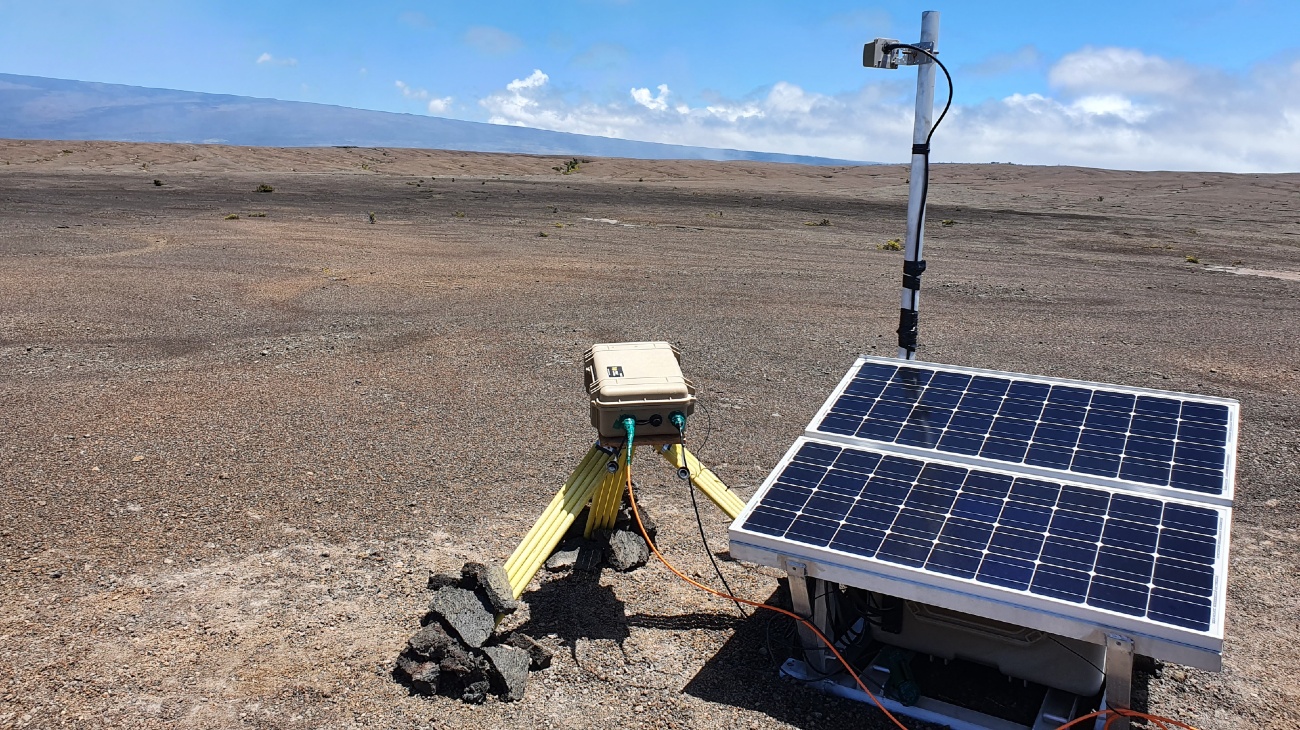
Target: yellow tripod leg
549,529
703,479
541,528
604,506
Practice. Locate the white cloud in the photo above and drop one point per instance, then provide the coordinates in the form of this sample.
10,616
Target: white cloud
1120,70
656,103
411,93
268,58
1109,107
435,105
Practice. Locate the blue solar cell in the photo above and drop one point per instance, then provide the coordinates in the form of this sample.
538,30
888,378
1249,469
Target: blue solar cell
784,497
932,499
821,454
1035,491
924,428
1014,542
1082,499
1118,595
859,462
1064,415
1144,470
1117,402
1212,434
1062,583
839,424
966,533
1198,520
977,507
1179,609
1164,429
957,561
843,483
1136,509
902,468
1026,516
1136,536
1186,546
918,524
1158,407
1049,456
1183,577
1204,412
824,504
885,491
1102,442
905,550
1057,434
873,515
988,484
769,520
1012,428
989,385
1006,571
1076,525
1209,481
1099,464
942,475
858,540
855,405
1064,552
1003,449
960,442
1121,564
813,530
980,403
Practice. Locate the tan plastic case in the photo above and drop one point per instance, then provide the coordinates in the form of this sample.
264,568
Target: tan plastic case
638,379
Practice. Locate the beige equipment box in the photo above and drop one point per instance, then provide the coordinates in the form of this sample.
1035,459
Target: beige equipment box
639,379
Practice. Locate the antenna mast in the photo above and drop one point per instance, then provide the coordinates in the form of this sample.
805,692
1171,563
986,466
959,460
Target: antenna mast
884,53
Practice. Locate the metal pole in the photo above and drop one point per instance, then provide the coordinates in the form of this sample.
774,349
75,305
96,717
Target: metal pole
913,263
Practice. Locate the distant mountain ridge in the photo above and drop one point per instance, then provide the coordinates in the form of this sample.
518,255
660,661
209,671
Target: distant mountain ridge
34,107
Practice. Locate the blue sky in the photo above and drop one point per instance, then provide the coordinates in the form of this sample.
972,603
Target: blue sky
1199,84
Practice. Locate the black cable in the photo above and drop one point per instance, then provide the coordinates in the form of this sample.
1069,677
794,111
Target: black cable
699,522
1072,651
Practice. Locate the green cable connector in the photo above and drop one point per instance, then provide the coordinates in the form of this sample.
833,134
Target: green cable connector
629,424
678,419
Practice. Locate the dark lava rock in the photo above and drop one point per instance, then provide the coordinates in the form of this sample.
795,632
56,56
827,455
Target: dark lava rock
475,692
423,676
465,613
626,551
494,585
442,580
539,657
508,670
627,521
432,642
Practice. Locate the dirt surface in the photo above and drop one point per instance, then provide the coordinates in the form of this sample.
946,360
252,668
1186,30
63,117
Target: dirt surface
233,448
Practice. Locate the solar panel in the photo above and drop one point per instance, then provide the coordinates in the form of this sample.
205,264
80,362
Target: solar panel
1072,507
1158,441
1100,556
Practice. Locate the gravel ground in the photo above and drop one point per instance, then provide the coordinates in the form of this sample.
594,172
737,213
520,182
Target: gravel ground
233,449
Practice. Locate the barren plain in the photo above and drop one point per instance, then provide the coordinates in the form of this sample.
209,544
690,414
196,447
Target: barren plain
233,448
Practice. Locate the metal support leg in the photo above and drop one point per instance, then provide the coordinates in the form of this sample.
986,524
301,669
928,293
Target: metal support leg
1119,679
816,608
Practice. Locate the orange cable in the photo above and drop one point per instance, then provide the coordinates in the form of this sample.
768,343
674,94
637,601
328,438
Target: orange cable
1113,712
637,513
